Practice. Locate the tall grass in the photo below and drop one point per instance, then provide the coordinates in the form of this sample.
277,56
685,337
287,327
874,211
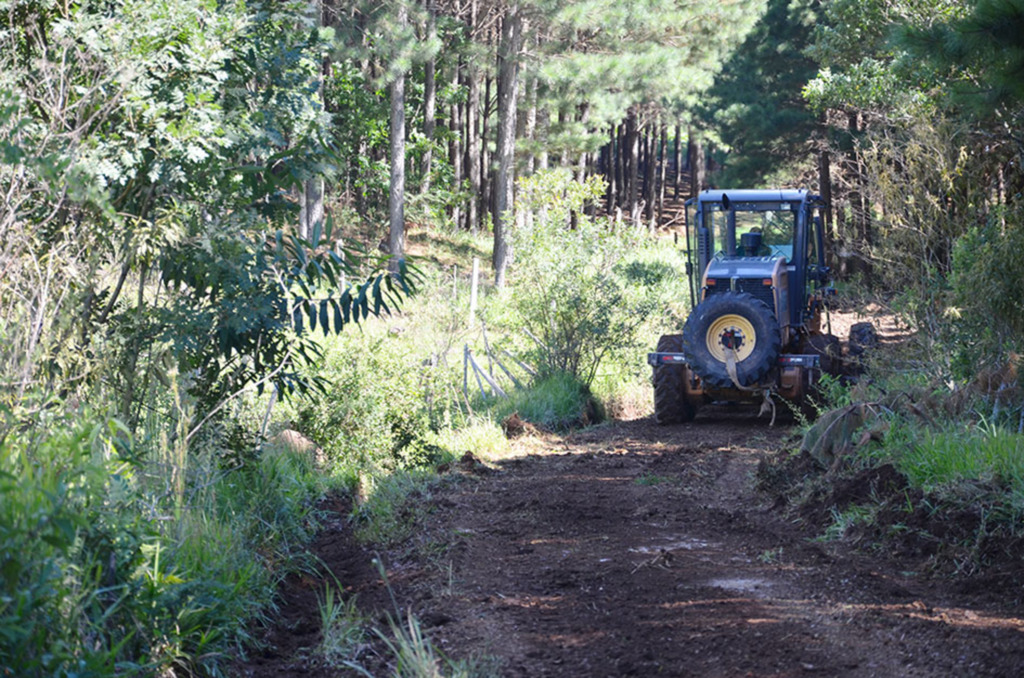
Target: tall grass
107,570
558,401
942,458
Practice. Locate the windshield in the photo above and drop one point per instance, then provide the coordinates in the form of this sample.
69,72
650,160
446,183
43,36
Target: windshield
775,222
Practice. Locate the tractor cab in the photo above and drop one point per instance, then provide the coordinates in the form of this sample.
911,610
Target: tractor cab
765,243
758,286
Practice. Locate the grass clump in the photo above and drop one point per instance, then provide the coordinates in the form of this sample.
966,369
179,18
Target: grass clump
556,402
940,458
343,634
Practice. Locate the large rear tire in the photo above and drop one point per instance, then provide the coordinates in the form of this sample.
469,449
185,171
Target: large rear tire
726,322
670,404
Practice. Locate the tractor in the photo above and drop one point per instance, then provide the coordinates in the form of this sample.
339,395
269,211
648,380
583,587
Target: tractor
758,293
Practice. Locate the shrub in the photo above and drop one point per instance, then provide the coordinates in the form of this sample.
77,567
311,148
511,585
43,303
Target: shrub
375,411
988,289
581,288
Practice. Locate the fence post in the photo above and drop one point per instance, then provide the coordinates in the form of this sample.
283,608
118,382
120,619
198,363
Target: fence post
473,289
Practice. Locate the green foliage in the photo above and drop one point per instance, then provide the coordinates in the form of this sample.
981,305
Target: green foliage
988,292
981,52
479,435
245,318
754,106
66,550
341,627
93,584
943,458
613,55
558,401
844,521
936,160
577,290
862,67
374,412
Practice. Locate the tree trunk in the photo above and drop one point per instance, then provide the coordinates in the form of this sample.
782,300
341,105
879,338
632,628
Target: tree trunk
311,206
581,171
860,209
311,194
611,161
455,145
620,164
530,126
508,83
543,123
429,101
472,136
486,171
650,174
825,189
662,162
631,166
396,199
696,165
679,160
563,153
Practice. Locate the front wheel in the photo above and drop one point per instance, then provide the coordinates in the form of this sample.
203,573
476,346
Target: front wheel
670,404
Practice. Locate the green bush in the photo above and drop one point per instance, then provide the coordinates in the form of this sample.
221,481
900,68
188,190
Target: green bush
988,290
586,290
376,408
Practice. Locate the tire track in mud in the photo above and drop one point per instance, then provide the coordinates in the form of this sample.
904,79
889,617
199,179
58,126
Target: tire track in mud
633,549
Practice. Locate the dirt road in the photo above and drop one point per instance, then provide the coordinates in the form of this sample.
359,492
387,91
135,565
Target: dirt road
631,549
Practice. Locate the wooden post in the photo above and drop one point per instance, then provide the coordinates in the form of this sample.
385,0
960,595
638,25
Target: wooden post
473,289
465,372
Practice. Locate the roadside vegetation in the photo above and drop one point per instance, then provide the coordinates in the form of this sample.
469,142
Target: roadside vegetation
206,326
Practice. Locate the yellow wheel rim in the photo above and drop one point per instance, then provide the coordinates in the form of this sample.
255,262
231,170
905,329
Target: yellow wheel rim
731,330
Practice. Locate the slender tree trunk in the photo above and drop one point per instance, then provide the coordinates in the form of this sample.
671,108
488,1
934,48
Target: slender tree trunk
543,124
473,149
662,162
396,199
632,165
679,160
455,144
429,100
825,189
563,160
486,197
611,161
859,207
508,84
650,174
311,206
530,126
360,195
455,154
696,164
311,194
620,164
581,168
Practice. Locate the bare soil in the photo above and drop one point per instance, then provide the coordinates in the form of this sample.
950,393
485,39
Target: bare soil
630,549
